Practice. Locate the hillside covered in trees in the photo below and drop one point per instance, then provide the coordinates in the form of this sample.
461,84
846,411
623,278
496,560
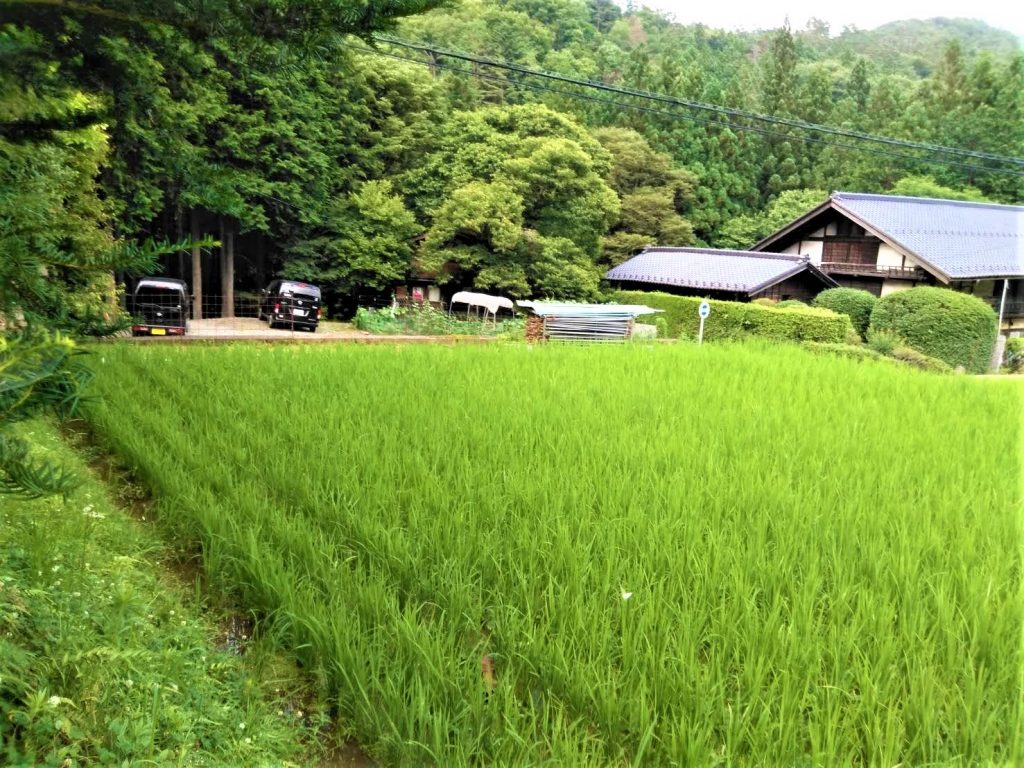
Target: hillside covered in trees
294,143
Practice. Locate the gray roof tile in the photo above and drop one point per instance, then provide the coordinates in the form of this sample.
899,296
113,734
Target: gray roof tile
963,240
707,268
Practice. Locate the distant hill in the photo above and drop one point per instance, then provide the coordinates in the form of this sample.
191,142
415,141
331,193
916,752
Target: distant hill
918,44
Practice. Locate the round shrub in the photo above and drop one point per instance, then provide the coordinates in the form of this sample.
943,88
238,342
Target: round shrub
853,302
957,328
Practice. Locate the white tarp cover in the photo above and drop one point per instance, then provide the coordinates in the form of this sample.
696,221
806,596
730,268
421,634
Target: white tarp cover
491,303
548,308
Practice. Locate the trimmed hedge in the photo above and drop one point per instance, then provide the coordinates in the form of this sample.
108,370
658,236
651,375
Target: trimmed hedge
957,328
855,303
734,320
790,303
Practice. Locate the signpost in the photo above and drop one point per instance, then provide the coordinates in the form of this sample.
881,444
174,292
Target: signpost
703,311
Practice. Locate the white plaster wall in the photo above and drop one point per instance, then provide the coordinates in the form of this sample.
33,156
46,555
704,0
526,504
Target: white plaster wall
889,256
894,286
813,249
810,248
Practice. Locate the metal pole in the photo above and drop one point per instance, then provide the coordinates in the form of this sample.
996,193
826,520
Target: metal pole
1002,305
999,324
700,335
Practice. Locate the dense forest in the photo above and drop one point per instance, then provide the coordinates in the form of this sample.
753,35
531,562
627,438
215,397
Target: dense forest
289,140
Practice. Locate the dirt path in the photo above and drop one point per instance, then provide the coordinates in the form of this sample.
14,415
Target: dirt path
251,329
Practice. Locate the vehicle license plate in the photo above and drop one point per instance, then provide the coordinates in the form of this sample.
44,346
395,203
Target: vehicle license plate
158,331
299,312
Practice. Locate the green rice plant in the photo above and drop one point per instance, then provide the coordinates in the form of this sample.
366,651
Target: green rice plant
667,554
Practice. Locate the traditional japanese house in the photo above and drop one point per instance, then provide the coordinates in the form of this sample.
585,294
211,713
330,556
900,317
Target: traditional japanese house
885,243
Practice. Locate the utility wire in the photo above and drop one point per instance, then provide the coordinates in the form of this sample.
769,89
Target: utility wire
681,116
696,105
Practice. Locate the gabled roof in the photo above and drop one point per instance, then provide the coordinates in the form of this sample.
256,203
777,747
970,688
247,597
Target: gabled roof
952,239
713,270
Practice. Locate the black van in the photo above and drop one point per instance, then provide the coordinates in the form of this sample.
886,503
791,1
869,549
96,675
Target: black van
159,307
291,303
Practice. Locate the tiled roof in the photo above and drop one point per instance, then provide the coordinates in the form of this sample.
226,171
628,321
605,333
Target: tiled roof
709,269
962,240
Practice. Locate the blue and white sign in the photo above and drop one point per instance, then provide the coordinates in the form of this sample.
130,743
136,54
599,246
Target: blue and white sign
705,310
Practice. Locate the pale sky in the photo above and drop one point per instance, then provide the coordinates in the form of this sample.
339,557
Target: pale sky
866,14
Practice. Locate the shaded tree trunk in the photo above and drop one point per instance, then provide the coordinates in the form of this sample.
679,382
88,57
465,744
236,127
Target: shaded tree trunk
227,268
261,259
197,268
179,232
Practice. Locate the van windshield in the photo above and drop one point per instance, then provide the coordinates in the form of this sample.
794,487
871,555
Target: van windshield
164,297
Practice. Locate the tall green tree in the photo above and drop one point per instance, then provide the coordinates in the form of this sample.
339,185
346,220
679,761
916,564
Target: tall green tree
654,196
503,190
744,231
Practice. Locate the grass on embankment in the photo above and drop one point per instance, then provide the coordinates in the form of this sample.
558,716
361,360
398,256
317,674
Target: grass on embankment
105,657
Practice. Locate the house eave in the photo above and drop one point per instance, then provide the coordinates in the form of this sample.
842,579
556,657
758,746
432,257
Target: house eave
831,204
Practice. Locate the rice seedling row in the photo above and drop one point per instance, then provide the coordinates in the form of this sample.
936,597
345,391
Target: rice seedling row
605,556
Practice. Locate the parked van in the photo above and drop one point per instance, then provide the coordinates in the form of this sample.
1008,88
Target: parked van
290,303
159,307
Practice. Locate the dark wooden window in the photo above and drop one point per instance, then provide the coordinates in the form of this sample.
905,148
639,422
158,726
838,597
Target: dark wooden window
862,251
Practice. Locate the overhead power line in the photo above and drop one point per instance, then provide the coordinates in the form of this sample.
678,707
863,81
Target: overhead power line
720,111
690,118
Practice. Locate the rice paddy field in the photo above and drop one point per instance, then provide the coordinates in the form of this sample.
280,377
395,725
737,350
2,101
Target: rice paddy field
605,556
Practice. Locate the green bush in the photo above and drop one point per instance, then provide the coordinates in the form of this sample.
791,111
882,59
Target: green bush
920,360
897,354
790,303
850,351
662,325
424,320
884,342
855,303
957,328
735,320
1013,355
